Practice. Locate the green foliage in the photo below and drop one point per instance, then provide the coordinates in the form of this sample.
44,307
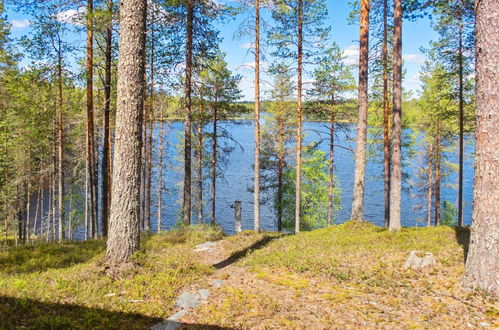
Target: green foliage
314,191
449,214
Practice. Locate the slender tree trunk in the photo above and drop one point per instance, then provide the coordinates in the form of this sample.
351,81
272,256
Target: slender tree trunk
49,211
70,220
430,184
28,209
143,170
437,176
331,168
396,174
42,209
483,258
360,150
92,173
200,164
214,167
147,215
160,175
123,238
386,116
37,211
60,152
256,193
188,116
461,123
298,118
280,172
106,152
85,215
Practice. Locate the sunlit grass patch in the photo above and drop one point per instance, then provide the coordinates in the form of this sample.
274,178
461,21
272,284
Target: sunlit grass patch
71,278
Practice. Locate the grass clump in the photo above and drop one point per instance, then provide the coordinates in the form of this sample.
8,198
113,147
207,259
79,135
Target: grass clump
65,285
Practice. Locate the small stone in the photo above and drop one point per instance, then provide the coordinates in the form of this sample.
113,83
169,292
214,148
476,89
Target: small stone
109,295
204,293
484,324
416,262
167,325
217,283
205,246
188,300
136,301
178,315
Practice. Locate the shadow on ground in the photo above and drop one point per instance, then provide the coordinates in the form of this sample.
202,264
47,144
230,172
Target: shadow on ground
234,257
463,238
17,313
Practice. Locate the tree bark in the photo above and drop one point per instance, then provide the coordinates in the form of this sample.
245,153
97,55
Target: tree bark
360,150
123,238
256,193
214,167
280,172
396,174
386,116
106,151
483,257
92,172
188,116
160,175
331,168
429,198
437,176
298,119
147,214
200,164
60,148
461,124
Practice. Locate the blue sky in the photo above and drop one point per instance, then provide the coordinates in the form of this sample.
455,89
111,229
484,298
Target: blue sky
415,35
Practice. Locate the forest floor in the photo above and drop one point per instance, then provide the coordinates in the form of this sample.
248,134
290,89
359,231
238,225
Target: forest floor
345,276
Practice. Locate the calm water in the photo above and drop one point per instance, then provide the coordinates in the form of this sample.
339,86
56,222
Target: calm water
238,178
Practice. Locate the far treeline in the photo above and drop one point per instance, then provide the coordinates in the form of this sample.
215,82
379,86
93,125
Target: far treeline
77,122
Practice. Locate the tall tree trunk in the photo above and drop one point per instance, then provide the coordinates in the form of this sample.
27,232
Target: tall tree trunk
160,175
331,168
188,116
200,163
430,183
37,210
60,148
396,174
280,172
106,151
123,238
483,258
85,215
214,167
147,214
461,123
26,236
360,150
49,211
298,118
256,192
437,176
386,116
143,164
92,173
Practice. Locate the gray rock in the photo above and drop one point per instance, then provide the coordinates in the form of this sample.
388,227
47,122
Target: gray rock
204,293
188,300
217,283
172,322
167,325
416,262
205,246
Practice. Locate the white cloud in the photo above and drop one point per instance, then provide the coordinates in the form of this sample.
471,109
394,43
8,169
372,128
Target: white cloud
19,24
414,58
351,54
72,16
248,45
414,81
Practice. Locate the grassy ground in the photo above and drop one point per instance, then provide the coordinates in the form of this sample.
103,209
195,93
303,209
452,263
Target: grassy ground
61,286
352,276
345,276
